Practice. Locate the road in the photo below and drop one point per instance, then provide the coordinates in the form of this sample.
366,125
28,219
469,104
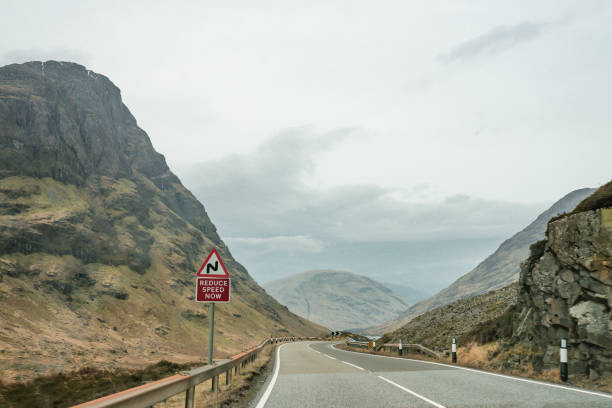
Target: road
315,374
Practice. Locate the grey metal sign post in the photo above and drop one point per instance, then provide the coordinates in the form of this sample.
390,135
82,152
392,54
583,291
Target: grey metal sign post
211,333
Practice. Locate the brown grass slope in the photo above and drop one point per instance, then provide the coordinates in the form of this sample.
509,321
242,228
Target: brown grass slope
601,198
100,241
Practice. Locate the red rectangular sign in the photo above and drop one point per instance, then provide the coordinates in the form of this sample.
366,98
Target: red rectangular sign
215,290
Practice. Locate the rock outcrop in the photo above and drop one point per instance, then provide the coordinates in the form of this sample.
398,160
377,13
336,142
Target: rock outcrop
566,291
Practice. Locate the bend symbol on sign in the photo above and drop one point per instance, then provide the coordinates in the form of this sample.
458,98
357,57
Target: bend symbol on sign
210,266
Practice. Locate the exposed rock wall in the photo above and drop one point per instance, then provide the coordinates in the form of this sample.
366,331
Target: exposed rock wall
566,291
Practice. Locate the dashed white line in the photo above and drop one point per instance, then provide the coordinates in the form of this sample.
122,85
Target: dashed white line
435,404
334,358
353,365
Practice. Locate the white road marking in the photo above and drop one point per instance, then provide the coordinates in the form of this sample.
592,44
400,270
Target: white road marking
266,395
334,358
435,404
599,394
345,362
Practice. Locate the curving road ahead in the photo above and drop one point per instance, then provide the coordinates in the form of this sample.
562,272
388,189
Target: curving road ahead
319,375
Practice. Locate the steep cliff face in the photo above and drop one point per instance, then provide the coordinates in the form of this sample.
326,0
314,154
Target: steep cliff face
566,291
100,241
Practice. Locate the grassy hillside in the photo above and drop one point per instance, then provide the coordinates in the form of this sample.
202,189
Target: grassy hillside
601,198
338,300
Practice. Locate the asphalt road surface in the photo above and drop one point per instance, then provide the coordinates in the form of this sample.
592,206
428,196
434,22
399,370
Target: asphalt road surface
315,374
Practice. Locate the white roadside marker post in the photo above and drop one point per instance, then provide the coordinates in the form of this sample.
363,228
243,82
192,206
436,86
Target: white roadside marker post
454,350
399,349
563,358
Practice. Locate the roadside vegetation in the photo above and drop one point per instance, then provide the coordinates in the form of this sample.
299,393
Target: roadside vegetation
70,388
241,388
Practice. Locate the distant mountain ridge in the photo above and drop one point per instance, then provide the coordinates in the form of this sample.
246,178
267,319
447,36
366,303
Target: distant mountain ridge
337,299
498,270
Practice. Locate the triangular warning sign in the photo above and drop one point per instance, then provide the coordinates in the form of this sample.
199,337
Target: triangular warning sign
213,266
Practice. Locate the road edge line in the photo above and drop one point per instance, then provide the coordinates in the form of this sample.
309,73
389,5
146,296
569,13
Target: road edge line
596,393
435,404
264,398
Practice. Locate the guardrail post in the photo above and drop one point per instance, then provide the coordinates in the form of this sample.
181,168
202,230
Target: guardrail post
228,373
563,358
454,350
215,383
189,397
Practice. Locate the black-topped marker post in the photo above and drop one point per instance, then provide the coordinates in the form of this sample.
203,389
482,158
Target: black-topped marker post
454,350
563,358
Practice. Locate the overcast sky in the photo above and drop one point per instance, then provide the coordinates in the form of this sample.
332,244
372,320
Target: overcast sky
320,134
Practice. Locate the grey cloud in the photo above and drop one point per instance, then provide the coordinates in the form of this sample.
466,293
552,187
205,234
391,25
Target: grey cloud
286,244
261,201
497,40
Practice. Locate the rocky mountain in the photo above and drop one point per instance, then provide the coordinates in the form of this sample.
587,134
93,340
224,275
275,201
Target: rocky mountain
338,300
565,290
100,241
498,270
